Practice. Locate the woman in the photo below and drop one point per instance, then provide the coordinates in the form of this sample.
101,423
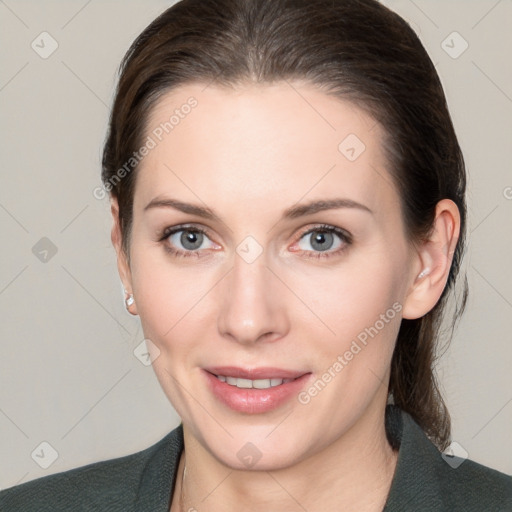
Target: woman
288,208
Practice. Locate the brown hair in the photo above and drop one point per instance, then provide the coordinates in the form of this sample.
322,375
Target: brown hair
357,50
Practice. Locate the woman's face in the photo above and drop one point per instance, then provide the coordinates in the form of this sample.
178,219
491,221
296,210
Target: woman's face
302,271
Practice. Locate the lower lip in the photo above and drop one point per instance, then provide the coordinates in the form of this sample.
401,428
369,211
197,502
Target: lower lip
255,401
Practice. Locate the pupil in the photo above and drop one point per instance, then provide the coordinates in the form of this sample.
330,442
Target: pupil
191,240
322,241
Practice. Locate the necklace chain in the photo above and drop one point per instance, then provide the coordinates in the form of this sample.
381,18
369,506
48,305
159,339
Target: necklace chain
182,493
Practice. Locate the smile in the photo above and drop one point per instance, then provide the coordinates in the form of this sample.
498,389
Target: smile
254,391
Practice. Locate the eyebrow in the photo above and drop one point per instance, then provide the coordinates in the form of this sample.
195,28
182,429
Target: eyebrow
290,213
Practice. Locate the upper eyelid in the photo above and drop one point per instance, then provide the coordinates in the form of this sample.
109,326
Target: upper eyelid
343,234
325,227
169,230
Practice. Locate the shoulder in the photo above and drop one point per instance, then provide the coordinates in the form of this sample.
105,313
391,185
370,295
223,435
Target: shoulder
427,480
113,485
106,481
472,486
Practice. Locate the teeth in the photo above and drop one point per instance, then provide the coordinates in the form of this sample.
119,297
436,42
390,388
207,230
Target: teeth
243,383
248,383
265,383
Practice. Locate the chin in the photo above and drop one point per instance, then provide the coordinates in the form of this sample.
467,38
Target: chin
262,446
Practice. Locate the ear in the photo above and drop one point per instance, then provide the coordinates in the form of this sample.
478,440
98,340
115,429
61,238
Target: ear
432,266
123,265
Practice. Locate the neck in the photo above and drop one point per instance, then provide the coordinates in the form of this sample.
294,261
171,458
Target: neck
359,466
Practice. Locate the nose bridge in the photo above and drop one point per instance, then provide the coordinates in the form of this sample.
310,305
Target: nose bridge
250,307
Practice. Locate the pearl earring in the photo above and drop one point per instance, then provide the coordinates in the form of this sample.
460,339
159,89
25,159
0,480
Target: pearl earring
129,300
423,273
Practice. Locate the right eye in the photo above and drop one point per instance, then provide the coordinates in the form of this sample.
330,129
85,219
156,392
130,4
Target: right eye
186,241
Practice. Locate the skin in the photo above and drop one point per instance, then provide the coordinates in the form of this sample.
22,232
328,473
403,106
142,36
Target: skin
248,155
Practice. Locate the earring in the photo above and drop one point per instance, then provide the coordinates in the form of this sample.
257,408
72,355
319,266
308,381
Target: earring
423,273
129,300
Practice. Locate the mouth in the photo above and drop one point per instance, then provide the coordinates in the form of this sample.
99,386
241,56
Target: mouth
256,390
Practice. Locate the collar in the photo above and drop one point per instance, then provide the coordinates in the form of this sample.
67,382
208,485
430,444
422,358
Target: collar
414,482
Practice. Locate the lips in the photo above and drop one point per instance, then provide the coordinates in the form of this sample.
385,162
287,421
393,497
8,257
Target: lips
256,390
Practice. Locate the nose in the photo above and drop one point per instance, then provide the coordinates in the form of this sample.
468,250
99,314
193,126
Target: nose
252,303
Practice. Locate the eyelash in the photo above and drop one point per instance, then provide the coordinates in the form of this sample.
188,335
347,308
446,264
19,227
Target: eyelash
344,236
175,252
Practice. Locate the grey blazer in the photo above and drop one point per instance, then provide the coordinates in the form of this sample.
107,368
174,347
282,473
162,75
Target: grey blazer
424,481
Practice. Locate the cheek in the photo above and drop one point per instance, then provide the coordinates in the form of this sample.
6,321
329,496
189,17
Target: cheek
352,299
175,314
168,294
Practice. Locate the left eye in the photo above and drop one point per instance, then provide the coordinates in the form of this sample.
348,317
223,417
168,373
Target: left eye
321,240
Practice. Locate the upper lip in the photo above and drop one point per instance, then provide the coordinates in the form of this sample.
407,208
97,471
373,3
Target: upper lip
255,373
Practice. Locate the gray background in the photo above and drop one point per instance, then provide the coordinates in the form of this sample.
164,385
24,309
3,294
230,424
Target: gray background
68,373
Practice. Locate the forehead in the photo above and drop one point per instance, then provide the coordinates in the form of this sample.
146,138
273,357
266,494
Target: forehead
263,144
